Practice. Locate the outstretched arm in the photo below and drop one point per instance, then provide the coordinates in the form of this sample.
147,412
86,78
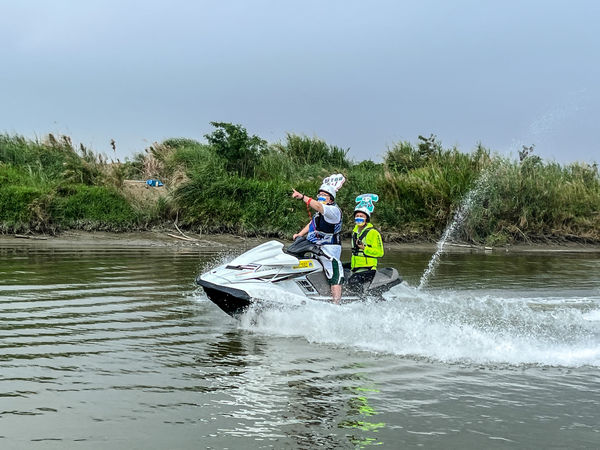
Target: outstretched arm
309,201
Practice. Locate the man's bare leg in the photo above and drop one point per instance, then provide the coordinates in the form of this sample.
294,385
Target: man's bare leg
336,293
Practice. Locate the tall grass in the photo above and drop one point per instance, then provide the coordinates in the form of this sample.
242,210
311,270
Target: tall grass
49,185
92,208
306,151
239,205
536,201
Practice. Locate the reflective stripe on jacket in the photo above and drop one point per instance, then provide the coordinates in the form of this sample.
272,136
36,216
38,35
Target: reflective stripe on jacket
366,258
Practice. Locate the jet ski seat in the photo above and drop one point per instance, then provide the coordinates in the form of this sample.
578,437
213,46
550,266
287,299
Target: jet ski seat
385,277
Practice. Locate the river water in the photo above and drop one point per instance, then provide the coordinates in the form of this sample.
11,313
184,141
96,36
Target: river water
116,348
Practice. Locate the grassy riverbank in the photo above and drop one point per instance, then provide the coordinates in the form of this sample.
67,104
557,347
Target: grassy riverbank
238,183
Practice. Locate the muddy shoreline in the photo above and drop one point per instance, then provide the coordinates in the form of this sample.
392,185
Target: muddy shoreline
176,239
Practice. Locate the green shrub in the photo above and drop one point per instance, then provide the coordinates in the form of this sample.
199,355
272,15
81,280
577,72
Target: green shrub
302,150
236,183
16,202
92,207
532,200
238,204
194,157
239,151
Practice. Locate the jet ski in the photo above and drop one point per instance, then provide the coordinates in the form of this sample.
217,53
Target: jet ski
269,272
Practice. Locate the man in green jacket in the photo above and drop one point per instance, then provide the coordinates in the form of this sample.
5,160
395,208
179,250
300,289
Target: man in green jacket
367,245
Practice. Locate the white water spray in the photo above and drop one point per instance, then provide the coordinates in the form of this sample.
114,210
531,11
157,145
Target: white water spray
459,217
449,326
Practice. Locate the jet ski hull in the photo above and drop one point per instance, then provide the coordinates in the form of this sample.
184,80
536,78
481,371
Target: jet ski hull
231,300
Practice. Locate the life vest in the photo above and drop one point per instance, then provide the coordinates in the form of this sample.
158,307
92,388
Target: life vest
359,259
322,232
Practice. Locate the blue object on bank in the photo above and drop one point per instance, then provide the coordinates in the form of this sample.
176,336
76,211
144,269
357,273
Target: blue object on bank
154,183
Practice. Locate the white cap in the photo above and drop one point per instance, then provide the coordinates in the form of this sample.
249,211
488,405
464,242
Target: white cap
361,207
329,189
332,184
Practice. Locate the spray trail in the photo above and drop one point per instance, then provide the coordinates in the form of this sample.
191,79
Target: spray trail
459,217
450,326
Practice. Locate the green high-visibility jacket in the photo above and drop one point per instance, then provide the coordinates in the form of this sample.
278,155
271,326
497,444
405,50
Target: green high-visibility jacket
366,258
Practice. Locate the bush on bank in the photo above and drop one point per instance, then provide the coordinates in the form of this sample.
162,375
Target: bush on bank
535,201
48,186
236,182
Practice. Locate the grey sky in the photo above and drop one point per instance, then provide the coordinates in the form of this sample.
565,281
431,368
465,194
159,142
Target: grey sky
359,74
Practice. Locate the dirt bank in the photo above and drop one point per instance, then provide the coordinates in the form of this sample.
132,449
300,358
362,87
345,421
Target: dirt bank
176,239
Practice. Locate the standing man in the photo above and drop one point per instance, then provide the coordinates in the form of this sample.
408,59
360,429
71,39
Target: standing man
367,245
324,230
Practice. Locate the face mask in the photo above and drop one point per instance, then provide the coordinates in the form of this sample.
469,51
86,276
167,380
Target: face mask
322,199
359,220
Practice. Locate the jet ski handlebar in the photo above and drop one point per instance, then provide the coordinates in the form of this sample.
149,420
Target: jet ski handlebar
301,246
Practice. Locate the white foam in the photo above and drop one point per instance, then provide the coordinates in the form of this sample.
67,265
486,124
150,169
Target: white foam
445,326
592,316
479,327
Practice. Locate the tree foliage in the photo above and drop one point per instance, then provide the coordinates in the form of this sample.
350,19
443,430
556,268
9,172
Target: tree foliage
240,151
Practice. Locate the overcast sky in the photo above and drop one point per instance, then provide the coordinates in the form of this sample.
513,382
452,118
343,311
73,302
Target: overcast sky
359,74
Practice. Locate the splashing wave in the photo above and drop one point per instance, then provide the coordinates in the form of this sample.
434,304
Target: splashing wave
454,327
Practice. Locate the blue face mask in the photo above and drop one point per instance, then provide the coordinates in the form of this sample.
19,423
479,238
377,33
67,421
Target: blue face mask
359,220
322,199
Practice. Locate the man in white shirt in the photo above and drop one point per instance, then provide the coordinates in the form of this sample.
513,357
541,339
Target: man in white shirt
324,230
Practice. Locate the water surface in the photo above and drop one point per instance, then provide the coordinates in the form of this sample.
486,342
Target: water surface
115,348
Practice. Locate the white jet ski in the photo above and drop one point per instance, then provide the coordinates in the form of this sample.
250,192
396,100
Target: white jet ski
291,273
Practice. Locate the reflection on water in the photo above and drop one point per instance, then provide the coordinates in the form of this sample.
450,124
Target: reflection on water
361,414
115,348
302,399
